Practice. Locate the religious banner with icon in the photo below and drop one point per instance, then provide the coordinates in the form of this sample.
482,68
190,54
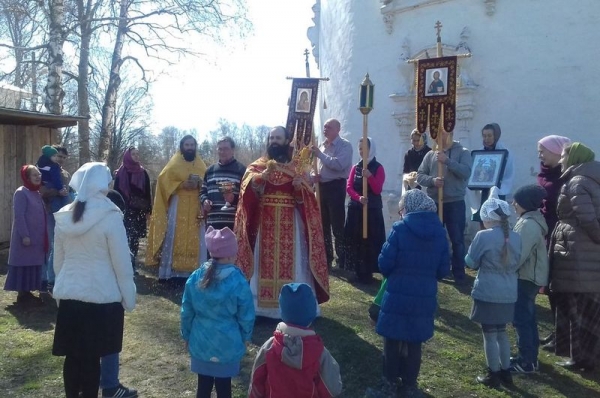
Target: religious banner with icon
436,94
302,107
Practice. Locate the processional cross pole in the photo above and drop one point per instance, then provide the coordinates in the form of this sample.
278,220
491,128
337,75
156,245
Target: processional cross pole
440,136
439,142
365,105
306,62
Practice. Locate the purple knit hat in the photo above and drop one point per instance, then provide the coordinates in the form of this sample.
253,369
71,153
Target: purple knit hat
221,243
554,143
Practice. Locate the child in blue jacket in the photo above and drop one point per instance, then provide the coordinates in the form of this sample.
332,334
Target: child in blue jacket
495,254
52,177
217,316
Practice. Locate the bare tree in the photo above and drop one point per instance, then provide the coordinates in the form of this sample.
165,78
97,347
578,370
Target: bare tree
54,92
160,28
87,13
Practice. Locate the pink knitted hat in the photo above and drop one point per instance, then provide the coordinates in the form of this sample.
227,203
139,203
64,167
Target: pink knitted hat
221,243
554,143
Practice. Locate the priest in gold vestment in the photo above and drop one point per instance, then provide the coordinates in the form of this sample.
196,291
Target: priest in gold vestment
176,235
278,226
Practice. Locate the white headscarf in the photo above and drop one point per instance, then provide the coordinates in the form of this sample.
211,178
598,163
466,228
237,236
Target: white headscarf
91,180
489,207
371,147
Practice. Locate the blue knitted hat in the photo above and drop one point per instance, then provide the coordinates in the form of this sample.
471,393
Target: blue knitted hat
298,304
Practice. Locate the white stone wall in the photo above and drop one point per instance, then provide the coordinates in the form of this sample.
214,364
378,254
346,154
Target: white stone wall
534,70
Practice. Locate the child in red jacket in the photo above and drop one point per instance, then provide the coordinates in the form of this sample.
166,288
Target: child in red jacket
294,363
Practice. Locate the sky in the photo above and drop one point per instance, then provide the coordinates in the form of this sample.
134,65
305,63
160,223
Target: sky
243,82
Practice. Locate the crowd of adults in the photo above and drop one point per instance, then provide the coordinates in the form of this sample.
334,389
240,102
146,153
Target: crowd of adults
66,240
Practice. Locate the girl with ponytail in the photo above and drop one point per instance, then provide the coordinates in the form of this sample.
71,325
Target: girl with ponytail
495,253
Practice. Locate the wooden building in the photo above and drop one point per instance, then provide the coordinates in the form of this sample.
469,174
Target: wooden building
22,135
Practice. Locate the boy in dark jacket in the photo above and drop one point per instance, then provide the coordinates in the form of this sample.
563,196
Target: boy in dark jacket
294,363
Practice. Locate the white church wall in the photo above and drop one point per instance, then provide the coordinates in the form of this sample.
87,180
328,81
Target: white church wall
533,71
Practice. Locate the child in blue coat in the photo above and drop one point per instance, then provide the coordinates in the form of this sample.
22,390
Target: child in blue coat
495,252
52,177
217,316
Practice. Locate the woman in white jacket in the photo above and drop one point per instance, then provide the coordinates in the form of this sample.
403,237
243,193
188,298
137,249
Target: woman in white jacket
94,280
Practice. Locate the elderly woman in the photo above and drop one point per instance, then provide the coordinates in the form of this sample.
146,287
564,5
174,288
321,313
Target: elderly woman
133,183
28,239
414,258
94,280
362,253
574,259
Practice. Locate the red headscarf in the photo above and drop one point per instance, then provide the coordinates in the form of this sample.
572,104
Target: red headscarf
26,182
128,168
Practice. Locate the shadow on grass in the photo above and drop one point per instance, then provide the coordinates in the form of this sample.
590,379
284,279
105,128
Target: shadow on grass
464,288
40,318
349,277
28,368
171,289
559,381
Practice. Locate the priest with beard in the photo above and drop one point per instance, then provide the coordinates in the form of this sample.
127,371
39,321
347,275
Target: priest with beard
278,227
176,234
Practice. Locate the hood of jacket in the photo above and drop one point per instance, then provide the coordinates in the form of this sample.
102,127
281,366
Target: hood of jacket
424,224
298,348
590,170
96,209
538,217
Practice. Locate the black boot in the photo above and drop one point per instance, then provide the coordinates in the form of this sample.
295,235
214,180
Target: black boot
506,377
491,379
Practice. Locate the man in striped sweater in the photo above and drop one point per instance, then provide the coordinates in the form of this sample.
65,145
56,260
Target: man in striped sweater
229,171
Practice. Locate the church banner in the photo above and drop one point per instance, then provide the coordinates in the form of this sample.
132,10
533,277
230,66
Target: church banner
303,103
436,93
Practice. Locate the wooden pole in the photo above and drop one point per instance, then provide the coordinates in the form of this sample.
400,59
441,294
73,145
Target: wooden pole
315,167
365,155
440,136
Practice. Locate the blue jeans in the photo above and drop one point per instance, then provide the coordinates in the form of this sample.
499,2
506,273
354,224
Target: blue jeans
48,273
528,339
109,371
455,222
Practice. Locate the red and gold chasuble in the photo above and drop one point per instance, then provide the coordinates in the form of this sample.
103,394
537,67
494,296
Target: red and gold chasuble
267,210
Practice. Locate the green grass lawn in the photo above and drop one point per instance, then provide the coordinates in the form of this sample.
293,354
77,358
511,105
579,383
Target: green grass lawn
154,360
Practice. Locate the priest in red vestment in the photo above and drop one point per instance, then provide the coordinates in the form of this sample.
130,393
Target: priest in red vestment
278,227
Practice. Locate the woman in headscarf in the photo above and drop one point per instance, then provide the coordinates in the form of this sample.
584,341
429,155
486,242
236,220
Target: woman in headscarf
549,149
490,134
94,280
133,183
574,259
362,253
28,239
415,256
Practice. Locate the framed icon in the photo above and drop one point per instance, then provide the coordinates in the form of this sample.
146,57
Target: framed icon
487,169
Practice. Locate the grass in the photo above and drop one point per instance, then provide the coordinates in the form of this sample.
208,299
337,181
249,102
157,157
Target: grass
154,360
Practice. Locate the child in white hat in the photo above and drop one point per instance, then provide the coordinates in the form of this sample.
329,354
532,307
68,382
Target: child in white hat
495,252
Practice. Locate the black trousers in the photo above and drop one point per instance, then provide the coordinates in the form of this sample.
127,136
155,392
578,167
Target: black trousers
333,216
205,386
401,359
81,373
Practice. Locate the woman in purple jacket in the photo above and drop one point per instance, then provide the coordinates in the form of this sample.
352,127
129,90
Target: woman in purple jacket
28,240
